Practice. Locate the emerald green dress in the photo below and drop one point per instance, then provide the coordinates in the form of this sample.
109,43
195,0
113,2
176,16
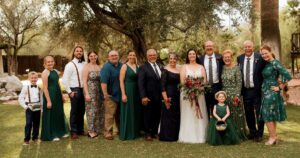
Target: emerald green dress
54,123
232,85
227,137
130,111
272,108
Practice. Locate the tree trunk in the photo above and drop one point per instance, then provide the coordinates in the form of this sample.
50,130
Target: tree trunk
270,33
139,44
1,63
255,17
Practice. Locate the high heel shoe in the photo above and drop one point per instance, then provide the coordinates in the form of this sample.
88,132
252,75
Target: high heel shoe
274,142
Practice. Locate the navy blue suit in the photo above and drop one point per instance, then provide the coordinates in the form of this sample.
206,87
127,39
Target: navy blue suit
252,96
210,95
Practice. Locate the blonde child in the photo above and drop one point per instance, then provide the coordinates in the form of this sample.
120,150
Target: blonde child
30,99
221,129
54,125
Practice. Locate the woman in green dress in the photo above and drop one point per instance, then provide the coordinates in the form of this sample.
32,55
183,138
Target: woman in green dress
221,112
54,124
232,85
130,105
272,107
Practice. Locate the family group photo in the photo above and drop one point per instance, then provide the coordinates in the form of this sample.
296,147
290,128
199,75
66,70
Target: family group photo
150,78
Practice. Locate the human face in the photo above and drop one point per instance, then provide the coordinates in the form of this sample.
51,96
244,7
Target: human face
209,48
131,57
49,63
152,56
227,58
113,57
266,55
248,48
78,53
221,98
192,56
172,60
93,57
33,79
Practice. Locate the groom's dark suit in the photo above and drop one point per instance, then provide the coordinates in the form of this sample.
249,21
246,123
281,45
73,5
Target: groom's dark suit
215,87
252,95
150,87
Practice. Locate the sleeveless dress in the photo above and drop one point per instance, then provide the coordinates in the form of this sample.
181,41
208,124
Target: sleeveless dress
192,128
170,118
232,85
95,109
272,108
130,111
54,122
227,137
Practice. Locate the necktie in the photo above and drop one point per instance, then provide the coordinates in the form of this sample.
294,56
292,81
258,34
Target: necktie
156,71
248,73
210,71
33,86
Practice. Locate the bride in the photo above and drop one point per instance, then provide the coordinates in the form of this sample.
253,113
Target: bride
192,128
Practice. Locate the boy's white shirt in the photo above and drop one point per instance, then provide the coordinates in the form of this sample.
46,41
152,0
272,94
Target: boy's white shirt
34,96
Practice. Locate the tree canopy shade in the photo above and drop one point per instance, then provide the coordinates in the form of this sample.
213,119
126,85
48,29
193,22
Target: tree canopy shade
141,21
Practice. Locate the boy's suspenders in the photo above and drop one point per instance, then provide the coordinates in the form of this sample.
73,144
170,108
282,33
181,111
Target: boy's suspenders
29,98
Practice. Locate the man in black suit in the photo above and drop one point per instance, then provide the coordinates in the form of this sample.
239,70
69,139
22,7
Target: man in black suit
213,65
150,91
251,65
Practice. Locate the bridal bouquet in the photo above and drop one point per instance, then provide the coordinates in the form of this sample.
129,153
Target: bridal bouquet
192,88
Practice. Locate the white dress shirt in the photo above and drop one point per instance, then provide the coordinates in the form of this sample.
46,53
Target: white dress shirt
70,79
35,96
214,68
157,67
251,70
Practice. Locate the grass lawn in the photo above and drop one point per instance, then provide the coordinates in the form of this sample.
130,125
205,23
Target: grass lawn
12,132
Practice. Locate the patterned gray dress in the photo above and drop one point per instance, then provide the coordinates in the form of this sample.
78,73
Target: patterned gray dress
95,109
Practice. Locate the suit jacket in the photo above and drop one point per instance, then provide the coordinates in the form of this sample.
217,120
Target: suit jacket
258,67
149,84
220,64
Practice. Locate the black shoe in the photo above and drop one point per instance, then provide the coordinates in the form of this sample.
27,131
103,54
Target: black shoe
258,139
251,137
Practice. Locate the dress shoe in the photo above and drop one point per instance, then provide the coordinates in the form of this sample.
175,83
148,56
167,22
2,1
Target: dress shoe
148,138
26,143
81,134
55,139
36,140
74,136
258,139
250,137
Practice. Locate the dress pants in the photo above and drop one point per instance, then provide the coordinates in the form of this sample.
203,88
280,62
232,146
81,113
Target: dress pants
32,122
210,98
151,114
77,111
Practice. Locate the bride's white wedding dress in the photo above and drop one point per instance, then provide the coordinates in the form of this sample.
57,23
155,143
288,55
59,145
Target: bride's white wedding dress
192,128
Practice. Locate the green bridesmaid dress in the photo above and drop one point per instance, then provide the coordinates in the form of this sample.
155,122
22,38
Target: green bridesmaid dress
227,137
130,111
54,122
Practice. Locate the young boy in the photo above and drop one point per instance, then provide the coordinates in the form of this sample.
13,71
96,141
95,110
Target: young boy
30,99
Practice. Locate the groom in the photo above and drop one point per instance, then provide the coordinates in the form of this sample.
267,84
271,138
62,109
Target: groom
213,65
150,91
251,65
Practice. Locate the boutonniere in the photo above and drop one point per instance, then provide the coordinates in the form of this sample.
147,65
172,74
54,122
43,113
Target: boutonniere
256,60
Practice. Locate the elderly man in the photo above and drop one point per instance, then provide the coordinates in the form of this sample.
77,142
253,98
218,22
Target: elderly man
111,91
251,65
213,65
150,92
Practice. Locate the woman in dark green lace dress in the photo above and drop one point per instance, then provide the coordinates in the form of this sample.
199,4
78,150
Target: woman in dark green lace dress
232,85
272,107
130,106
54,124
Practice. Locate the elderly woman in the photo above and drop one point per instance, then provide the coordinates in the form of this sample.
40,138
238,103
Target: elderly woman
232,85
170,113
272,108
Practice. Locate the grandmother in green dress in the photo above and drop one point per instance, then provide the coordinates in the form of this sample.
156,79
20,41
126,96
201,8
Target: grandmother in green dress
232,85
272,107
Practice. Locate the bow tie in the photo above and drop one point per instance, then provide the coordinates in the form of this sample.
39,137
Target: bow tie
79,61
33,86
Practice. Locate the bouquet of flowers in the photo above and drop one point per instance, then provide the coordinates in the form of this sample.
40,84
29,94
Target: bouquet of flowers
235,101
192,88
